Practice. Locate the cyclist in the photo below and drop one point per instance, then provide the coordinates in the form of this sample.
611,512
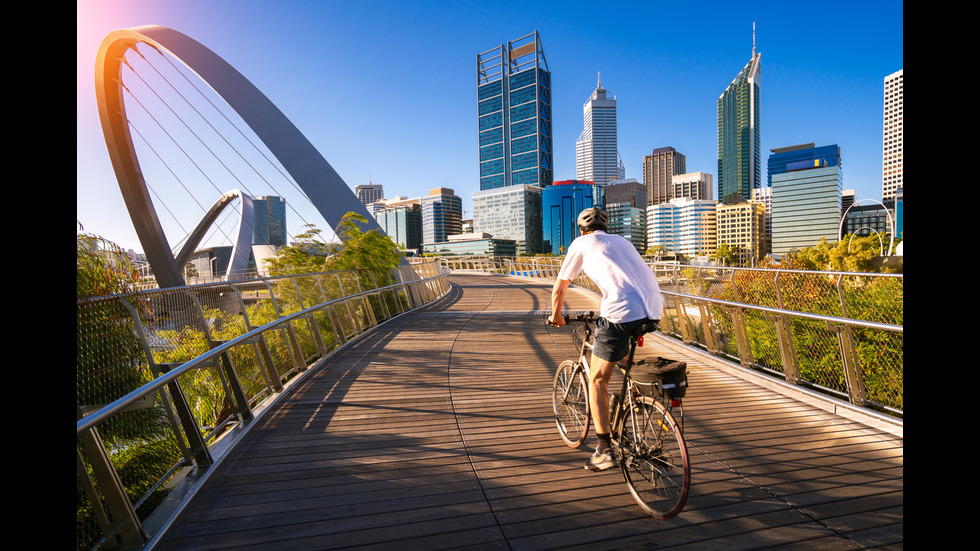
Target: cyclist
630,297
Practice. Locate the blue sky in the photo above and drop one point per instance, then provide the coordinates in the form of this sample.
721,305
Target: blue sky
386,90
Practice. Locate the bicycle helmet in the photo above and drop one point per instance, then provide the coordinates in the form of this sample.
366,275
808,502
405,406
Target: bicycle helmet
592,219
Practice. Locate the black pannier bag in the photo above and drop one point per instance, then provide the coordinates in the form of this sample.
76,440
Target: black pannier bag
660,376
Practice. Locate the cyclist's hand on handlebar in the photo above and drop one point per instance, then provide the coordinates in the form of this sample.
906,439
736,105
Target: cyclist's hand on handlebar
556,323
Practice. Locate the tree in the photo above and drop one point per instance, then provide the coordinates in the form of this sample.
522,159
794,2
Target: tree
358,250
102,267
727,254
851,254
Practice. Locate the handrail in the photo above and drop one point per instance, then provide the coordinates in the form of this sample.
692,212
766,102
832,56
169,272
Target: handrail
348,317
794,313
157,383
775,338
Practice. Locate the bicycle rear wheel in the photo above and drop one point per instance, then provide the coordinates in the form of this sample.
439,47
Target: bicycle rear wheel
654,458
570,397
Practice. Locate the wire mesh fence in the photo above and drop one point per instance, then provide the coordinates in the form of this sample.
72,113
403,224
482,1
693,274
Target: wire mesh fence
164,376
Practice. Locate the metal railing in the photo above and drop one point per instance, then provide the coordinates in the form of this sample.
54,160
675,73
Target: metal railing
839,333
169,379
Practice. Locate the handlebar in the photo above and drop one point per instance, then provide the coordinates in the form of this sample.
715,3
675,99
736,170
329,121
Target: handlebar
583,318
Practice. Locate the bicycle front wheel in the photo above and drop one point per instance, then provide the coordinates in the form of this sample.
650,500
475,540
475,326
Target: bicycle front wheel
654,458
570,397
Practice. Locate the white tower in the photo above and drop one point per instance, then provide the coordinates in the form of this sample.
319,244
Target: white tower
596,150
891,139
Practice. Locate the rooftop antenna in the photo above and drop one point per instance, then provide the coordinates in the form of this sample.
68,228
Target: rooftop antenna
753,39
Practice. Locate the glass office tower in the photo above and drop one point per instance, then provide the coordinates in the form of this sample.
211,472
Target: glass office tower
514,115
512,212
560,207
739,137
806,198
270,221
442,215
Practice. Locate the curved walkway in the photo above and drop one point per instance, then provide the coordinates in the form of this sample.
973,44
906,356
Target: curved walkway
435,432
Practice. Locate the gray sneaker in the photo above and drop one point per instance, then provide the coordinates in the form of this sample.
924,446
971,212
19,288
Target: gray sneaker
603,460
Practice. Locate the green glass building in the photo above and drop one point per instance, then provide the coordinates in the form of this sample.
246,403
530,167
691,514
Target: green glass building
739,135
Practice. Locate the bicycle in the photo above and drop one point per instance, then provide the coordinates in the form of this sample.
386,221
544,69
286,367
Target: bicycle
649,440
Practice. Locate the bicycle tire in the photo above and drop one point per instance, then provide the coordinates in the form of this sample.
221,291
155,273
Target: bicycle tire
654,458
570,399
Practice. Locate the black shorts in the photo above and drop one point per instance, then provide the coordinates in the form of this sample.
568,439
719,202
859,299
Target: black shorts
612,340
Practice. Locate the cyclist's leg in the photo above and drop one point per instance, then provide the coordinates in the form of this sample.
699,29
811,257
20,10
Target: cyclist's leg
600,372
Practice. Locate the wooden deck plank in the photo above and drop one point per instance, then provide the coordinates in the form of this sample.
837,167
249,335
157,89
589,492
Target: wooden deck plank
435,431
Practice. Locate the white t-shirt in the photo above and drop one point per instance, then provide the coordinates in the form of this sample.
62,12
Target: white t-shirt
629,288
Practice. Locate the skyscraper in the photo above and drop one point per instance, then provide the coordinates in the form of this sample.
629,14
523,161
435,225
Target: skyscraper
596,150
891,143
369,193
442,215
511,212
659,169
560,207
806,197
514,115
270,221
739,137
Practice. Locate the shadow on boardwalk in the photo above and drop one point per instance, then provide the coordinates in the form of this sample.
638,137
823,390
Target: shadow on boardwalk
435,432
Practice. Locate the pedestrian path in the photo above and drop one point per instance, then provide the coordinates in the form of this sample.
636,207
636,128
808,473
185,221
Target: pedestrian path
435,431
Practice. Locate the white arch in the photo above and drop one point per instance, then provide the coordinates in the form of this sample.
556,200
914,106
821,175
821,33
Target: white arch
243,241
328,192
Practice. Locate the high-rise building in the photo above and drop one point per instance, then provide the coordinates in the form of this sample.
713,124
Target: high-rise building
659,169
742,225
693,185
739,133
625,201
442,215
514,115
561,204
369,193
402,223
891,145
630,221
806,200
763,196
596,150
783,158
270,221
511,212
682,225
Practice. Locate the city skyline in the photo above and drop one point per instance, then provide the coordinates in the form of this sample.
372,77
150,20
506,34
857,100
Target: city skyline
379,117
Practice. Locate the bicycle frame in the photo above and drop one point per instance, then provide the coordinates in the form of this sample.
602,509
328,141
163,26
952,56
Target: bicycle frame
649,440
627,389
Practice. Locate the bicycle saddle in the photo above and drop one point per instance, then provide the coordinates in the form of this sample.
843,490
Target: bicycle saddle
645,328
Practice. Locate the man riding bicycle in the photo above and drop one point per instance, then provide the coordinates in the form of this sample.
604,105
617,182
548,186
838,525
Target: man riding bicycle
630,297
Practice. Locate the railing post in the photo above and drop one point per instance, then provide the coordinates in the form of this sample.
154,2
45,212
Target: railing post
120,525
226,369
709,335
787,353
195,441
740,329
262,352
852,369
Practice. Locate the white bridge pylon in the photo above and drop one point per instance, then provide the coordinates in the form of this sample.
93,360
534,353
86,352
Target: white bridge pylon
321,184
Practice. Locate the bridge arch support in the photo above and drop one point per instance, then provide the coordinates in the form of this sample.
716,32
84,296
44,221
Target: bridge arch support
324,187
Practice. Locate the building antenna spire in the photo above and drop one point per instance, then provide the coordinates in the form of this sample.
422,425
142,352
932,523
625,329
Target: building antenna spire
753,39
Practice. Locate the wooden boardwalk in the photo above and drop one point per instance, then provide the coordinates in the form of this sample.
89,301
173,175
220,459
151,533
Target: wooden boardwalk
435,431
